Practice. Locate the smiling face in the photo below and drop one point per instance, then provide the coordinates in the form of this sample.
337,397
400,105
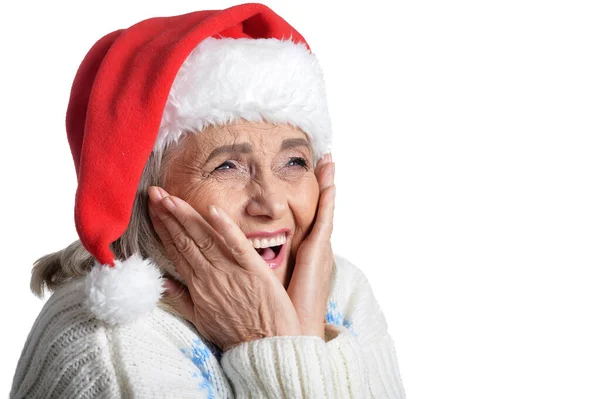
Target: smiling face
260,174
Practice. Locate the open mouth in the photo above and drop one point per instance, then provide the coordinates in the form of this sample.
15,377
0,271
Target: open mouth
271,247
269,253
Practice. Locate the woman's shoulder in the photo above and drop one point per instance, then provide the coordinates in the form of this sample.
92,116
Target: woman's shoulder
352,303
348,280
70,353
345,270
65,347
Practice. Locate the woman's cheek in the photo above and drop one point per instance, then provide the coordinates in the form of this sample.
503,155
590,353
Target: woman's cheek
213,193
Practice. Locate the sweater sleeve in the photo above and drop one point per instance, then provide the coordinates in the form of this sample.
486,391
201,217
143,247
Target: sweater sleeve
357,361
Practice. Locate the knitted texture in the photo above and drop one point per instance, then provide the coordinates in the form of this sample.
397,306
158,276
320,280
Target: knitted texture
70,354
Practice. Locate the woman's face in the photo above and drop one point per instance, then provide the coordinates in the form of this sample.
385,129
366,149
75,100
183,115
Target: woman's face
261,174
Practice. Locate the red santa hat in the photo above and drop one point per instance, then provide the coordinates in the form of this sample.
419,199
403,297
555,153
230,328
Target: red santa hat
141,88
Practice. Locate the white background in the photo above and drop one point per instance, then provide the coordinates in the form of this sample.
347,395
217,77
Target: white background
467,149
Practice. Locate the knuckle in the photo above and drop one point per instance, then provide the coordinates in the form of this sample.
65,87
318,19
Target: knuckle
172,252
205,244
238,249
162,216
183,243
184,219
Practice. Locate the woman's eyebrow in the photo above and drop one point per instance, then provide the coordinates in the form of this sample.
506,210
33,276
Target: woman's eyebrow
244,148
289,143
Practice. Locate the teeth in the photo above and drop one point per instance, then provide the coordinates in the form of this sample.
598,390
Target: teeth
267,242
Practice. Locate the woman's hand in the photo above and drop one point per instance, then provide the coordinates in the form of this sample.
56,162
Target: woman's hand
233,296
310,283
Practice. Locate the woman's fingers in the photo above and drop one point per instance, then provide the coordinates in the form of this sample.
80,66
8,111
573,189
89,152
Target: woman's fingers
159,227
323,226
325,159
241,249
328,176
324,221
325,171
195,227
310,283
204,237
180,247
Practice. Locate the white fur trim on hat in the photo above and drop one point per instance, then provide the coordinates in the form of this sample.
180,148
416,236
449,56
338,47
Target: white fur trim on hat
225,80
123,293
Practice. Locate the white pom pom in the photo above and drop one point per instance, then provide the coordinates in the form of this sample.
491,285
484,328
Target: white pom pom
123,293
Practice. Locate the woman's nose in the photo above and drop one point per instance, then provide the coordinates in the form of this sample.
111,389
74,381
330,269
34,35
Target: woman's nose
267,199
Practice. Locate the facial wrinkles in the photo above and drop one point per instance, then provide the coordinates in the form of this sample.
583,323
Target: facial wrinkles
265,168
188,172
266,175
274,177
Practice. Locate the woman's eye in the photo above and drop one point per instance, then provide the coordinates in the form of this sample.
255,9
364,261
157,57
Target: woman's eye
297,161
225,165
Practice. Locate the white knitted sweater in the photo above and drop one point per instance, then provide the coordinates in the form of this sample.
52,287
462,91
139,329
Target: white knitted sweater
70,354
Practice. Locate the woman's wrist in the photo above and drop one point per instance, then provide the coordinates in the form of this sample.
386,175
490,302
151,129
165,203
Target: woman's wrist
316,330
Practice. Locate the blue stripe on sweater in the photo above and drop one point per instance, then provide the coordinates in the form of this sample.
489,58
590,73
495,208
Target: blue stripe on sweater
199,355
336,317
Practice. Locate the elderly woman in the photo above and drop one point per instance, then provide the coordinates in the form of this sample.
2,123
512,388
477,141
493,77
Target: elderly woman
204,210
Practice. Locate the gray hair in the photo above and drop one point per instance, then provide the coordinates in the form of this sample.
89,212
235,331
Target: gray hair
50,271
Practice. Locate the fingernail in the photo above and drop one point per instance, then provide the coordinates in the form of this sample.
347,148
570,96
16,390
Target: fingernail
213,211
168,203
154,195
327,157
162,191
